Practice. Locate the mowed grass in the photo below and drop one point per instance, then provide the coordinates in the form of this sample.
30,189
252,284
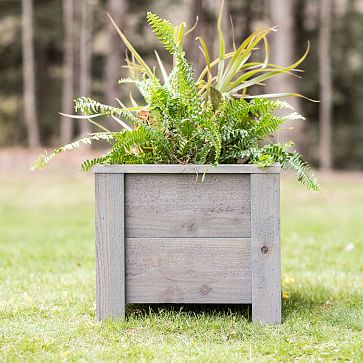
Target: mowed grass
47,284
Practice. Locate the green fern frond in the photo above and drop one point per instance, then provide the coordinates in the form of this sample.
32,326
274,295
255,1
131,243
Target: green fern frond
216,142
87,165
302,170
88,106
181,78
156,95
267,124
294,116
203,153
45,158
291,161
281,104
129,143
266,105
182,83
164,31
139,136
127,80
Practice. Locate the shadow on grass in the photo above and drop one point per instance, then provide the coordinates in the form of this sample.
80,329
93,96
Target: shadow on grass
312,303
141,310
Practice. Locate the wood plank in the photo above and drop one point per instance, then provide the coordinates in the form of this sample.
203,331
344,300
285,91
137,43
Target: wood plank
110,253
188,270
176,205
265,248
189,169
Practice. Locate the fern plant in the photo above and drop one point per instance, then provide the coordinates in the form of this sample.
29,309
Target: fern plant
205,119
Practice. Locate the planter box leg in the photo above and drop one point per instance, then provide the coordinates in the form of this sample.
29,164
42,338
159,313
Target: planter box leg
265,248
110,249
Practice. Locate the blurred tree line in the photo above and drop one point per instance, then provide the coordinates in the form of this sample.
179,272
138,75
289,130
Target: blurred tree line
52,51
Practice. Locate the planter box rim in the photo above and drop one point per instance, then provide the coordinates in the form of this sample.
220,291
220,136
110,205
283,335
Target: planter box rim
185,169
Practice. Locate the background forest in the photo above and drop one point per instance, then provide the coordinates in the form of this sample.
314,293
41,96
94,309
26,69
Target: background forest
52,51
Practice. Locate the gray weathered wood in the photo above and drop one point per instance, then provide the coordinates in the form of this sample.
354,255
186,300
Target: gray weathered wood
188,270
176,205
110,252
265,248
185,241
189,169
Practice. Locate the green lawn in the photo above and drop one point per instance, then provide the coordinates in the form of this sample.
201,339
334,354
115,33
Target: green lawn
47,284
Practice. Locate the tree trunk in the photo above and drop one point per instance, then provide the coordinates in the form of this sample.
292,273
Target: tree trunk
85,83
242,21
117,9
325,85
191,45
282,53
66,130
29,102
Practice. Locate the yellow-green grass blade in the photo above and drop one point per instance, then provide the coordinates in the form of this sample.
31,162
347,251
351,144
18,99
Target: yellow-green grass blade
212,64
271,74
254,65
206,57
241,56
179,34
162,68
132,100
98,125
88,118
133,51
232,31
278,95
221,43
265,41
193,27
247,75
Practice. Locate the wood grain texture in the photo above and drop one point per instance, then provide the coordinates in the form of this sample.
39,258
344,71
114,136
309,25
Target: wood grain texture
176,205
188,270
189,169
265,248
110,253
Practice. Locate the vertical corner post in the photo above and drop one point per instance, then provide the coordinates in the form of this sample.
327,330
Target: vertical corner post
110,246
265,248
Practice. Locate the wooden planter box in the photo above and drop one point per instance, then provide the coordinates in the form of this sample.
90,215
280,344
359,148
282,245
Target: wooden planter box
164,236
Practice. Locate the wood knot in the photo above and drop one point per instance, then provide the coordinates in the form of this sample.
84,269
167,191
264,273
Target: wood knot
264,249
189,226
205,290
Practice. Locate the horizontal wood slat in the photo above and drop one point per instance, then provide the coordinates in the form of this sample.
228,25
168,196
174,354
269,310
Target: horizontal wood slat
176,205
189,168
188,270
